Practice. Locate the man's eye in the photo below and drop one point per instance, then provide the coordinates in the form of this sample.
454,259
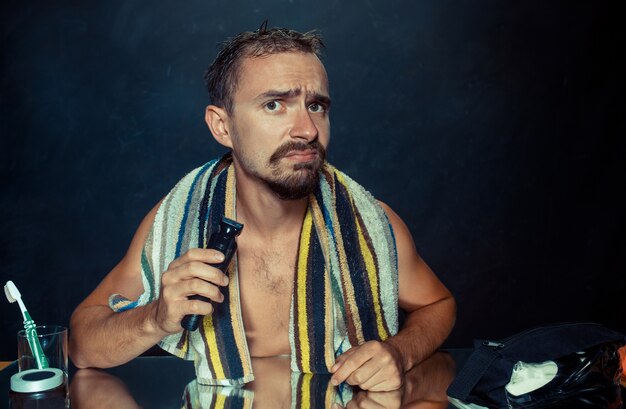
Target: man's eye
315,107
272,106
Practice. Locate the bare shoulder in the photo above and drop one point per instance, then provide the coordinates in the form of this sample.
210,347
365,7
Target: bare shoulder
418,285
125,277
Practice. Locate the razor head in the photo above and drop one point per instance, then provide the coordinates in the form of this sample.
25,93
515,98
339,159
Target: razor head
11,291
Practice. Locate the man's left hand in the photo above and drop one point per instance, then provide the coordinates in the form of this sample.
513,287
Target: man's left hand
374,366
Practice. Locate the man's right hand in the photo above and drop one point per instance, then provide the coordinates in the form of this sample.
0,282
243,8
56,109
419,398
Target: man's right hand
189,274
102,338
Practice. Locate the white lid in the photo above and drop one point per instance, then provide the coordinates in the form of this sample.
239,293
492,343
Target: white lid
37,380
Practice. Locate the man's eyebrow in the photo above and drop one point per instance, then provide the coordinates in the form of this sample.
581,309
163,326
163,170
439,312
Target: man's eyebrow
321,98
291,93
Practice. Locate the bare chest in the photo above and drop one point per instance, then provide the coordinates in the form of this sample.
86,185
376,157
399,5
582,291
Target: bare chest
266,277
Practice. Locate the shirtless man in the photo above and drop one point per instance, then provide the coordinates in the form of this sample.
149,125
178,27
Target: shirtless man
278,100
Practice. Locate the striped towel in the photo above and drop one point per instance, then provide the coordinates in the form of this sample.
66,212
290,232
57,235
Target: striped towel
308,391
199,396
346,281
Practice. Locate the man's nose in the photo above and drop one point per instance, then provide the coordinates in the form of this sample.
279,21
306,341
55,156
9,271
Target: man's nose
303,126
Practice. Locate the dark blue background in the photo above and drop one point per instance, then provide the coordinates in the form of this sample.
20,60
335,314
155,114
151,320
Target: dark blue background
495,129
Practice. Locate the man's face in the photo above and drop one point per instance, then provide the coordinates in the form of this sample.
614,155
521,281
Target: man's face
280,125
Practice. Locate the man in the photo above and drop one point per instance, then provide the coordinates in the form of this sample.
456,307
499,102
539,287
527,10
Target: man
320,269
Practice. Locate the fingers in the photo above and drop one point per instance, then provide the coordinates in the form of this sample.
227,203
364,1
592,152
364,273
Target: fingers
169,313
347,363
376,400
173,303
371,366
188,275
196,307
180,290
194,270
195,264
207,256
367,377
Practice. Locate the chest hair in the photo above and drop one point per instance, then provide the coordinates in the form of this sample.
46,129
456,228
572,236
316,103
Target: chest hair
270,272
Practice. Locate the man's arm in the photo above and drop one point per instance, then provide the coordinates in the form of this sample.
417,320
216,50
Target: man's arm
431,312
102,338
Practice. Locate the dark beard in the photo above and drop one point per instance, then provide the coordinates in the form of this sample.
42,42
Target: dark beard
304,179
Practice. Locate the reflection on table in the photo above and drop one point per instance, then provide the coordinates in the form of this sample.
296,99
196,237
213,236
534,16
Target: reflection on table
275,386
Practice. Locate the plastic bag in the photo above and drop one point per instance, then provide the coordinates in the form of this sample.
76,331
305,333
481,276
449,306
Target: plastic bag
488,370
584,379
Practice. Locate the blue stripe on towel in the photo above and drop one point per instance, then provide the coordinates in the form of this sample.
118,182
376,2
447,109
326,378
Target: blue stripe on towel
358,272
229,354
181,230
316,304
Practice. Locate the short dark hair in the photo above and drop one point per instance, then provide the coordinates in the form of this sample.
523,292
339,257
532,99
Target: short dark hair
222,76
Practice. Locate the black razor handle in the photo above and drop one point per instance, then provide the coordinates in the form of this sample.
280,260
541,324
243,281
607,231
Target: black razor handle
223,240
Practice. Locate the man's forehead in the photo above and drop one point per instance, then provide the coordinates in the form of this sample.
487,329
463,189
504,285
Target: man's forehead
283,56
294,72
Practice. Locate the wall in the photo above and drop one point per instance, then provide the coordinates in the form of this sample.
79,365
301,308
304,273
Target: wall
495,129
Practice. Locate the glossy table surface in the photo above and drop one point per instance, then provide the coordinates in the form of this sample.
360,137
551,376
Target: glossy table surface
169,382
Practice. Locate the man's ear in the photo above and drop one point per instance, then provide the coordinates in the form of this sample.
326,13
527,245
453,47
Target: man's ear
218,122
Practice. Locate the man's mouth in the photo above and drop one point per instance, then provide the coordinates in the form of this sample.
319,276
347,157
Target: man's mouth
307,155
299,153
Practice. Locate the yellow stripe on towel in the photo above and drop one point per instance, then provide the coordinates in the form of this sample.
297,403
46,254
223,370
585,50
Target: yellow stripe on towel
220,401
214,353
305,391
229,196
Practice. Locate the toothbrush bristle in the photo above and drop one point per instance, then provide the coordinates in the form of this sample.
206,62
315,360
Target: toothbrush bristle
10,290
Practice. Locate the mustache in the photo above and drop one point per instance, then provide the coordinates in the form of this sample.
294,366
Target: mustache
291,146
